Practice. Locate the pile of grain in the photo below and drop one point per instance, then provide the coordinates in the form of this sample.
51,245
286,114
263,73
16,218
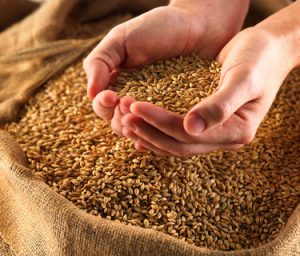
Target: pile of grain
223,200
176,85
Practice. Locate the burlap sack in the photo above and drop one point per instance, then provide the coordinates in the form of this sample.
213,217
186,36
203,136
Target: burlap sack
14,11
37,221
34,220
28,59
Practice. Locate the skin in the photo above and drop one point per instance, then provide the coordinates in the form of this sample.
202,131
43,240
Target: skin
255,63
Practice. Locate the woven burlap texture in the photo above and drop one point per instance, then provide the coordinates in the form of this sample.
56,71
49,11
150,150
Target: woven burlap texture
34,220
37,221
28,59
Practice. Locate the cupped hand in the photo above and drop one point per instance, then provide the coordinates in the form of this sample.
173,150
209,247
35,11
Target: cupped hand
255,63
183,27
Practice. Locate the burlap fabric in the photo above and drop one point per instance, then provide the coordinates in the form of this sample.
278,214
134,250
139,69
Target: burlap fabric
12,12
28,59
34,220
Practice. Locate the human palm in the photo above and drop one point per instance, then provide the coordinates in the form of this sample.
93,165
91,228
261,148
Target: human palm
162,33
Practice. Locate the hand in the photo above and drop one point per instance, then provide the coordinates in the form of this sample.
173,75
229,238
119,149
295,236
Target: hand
255,63
183,27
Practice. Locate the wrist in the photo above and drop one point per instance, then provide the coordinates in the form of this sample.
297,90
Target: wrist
216,14
201,2
284,28
184,2
197,5
192,6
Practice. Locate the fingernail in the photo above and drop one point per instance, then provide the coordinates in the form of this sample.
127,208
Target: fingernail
196,125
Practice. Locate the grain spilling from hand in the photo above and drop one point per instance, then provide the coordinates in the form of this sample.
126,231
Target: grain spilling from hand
222,200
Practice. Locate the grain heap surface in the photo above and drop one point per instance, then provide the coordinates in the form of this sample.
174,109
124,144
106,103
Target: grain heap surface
176,85
223,200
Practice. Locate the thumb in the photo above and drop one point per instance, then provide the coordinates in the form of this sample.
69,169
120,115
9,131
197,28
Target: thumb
233,93
105,57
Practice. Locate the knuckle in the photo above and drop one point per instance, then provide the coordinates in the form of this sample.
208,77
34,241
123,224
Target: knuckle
220,111
104,113
245,78
249,83
105,116
259,36
116,29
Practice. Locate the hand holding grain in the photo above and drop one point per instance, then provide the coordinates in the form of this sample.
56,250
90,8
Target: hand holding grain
181,28
255,63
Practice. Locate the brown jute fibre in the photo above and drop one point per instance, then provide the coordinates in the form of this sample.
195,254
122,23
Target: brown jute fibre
223,200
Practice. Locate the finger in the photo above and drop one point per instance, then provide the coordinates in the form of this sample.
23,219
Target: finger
104,104
149,133
116,124
166,121
125,104
105,57
235,90
172,124
145,144
142,145
163,142
98,77
236,130
240,128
